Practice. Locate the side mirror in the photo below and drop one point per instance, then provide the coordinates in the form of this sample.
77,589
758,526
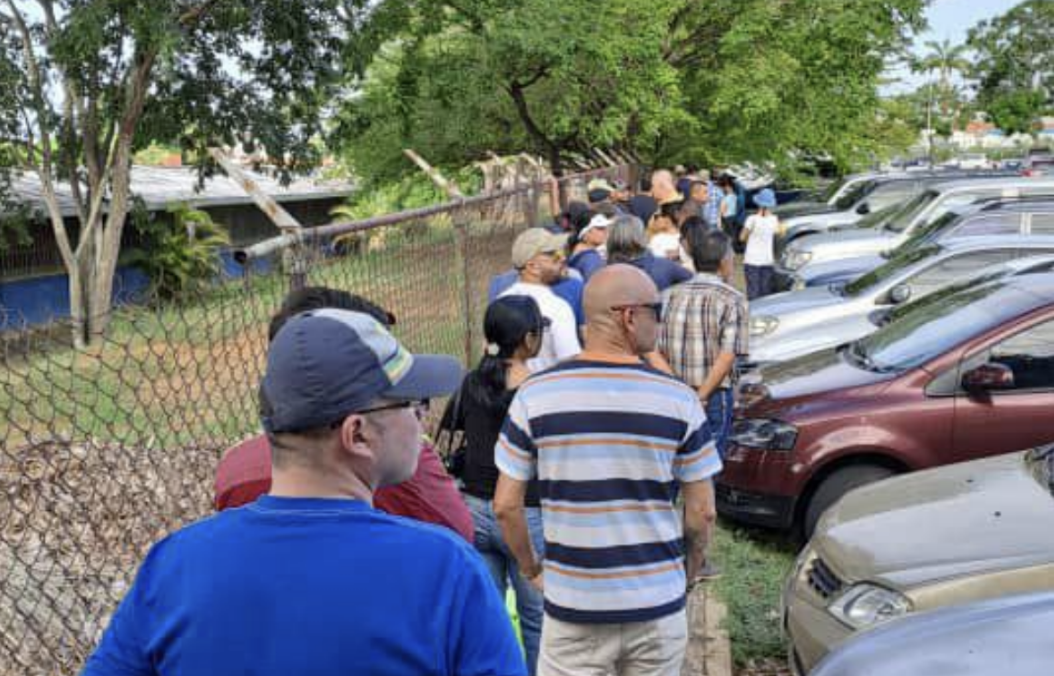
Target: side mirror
864,209
988,377
899,294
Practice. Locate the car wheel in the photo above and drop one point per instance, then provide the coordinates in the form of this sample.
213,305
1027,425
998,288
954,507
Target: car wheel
837,484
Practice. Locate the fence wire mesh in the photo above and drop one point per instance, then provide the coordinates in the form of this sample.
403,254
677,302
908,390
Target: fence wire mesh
104,451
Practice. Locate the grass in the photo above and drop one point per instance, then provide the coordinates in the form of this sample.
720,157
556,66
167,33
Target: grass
187,373
754,567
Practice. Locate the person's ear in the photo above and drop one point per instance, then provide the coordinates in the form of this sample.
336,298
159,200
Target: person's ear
357,437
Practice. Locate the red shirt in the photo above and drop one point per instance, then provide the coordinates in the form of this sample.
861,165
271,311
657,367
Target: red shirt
430,495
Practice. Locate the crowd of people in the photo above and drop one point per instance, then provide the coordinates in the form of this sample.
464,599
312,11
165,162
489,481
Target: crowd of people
577,468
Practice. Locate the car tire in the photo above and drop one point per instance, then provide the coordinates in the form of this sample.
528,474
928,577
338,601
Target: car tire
834,486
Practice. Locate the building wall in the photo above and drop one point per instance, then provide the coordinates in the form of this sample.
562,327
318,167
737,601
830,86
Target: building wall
34,289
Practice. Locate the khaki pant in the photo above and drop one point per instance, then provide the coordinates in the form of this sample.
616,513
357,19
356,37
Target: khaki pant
654,648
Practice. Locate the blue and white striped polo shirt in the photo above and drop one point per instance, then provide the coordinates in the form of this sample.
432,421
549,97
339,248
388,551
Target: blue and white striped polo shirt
609,441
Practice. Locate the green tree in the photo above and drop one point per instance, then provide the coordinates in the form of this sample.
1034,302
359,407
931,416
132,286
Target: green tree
668,80
944,60
100,79
1014,64
552,76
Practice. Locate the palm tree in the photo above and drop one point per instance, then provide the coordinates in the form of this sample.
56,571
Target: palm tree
944,58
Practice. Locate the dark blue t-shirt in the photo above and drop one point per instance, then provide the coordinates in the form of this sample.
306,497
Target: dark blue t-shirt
664,272
586,262
568,288
313,587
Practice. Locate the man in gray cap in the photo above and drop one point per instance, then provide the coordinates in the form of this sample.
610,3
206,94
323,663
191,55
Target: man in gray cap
310,579
538,256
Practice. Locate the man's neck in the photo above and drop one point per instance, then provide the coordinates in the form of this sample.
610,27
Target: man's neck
603,349
531,279
298,482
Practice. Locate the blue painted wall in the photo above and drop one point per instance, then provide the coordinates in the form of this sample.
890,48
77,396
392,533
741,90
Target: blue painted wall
41,299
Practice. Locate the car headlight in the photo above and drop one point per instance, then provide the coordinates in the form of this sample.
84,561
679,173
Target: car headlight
796,258
864,605
763,325
798,284
764,434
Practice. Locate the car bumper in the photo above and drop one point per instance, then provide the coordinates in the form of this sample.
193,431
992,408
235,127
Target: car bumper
811,631
747,489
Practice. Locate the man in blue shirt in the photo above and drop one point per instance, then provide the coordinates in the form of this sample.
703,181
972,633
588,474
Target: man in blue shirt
310,579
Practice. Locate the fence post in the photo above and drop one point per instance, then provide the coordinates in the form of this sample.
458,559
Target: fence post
461,233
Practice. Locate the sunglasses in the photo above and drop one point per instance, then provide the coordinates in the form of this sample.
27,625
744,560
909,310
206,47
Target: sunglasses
654,307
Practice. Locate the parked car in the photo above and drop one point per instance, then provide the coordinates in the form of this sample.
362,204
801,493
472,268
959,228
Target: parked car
788,325
969,161
1039,164
914,215
969,377
955,535
874,193
1034,216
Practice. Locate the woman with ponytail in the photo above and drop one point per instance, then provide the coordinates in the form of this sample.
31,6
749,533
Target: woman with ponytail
513,327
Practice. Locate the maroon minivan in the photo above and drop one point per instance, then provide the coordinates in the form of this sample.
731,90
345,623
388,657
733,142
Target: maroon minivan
945,380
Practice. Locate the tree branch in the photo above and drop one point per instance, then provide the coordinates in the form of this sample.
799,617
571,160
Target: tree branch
45,168
193,15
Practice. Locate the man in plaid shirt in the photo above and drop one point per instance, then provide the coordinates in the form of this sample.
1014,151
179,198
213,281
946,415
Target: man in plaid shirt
706,325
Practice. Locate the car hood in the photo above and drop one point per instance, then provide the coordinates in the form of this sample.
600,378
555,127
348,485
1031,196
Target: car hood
829,333
794,301
812,374
964,519
846,244
839,270
793,209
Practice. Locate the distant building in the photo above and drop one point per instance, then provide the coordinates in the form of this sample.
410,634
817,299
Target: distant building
33,282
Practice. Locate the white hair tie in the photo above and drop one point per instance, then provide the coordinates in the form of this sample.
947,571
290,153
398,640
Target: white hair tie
493,349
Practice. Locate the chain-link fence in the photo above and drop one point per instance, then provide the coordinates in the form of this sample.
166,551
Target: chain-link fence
106,450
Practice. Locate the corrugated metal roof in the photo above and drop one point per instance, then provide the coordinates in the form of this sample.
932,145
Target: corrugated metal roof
160,187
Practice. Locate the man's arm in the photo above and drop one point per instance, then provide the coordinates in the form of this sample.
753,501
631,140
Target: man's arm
723,366
700,515
508,509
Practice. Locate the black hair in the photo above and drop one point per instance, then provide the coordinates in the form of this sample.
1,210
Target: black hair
693,223
707,247
321,297
645,183
506,324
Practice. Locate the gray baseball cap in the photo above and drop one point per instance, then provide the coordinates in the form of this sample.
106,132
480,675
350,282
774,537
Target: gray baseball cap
325,364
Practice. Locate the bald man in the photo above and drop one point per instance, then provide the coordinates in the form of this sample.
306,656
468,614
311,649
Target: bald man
610,439
663,188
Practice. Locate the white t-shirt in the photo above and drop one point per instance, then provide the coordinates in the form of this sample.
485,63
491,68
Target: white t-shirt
560,340
762,240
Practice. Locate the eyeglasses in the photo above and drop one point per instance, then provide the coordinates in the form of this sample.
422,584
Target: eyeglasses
654,307
421,405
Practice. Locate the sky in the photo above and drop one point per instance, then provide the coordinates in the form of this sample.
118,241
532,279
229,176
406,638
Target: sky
948,19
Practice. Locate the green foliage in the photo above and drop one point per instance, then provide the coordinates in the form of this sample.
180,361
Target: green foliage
734,80
1014,65
179,254
410,192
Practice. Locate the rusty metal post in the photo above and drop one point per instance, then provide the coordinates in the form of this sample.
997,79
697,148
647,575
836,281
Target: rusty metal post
461,227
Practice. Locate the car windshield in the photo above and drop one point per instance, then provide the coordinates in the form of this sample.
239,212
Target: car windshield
928,330
876,219
938,296
1042,462
861,284
830,191
924,235
900,221
854,195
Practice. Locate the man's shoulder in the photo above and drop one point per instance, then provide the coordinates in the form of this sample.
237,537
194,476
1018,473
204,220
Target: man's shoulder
703,285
